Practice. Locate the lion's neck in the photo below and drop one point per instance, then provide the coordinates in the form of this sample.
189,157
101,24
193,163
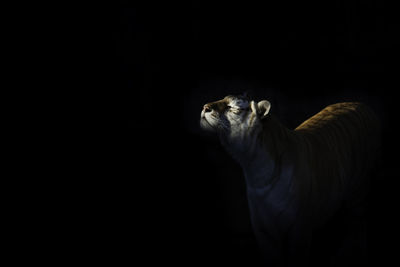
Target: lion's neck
260,153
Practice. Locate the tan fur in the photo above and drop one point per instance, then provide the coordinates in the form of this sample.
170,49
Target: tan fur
297,179
334,151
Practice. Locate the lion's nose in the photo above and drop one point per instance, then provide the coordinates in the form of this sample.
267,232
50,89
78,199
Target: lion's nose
207,108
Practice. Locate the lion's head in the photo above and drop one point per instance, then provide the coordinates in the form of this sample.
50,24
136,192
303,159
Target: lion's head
234,116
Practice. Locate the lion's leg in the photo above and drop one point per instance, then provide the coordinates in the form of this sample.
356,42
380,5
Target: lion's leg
270,250
299,246
352,250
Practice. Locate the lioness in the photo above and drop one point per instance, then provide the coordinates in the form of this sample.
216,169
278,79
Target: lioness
296,179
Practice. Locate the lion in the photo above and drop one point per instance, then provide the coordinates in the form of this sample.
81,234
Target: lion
297,180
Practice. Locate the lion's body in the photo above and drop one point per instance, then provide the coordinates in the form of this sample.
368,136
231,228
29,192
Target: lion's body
338,148
298,179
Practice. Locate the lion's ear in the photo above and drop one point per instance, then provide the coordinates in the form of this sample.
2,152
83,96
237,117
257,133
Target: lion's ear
248,94
245,94
263,108
253,107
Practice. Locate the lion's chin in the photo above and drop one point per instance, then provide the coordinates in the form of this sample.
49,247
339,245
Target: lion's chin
205,125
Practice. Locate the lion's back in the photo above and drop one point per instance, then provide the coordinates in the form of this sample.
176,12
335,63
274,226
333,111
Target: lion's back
341,114
341,143
344,124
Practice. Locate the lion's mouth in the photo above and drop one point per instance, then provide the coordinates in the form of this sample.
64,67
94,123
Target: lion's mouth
205,124
204,119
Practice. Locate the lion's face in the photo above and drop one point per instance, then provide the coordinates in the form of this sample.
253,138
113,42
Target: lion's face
233,115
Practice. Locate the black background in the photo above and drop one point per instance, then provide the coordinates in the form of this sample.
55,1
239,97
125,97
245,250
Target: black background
173,194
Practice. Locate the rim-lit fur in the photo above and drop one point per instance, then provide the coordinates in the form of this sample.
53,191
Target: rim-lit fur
297,179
